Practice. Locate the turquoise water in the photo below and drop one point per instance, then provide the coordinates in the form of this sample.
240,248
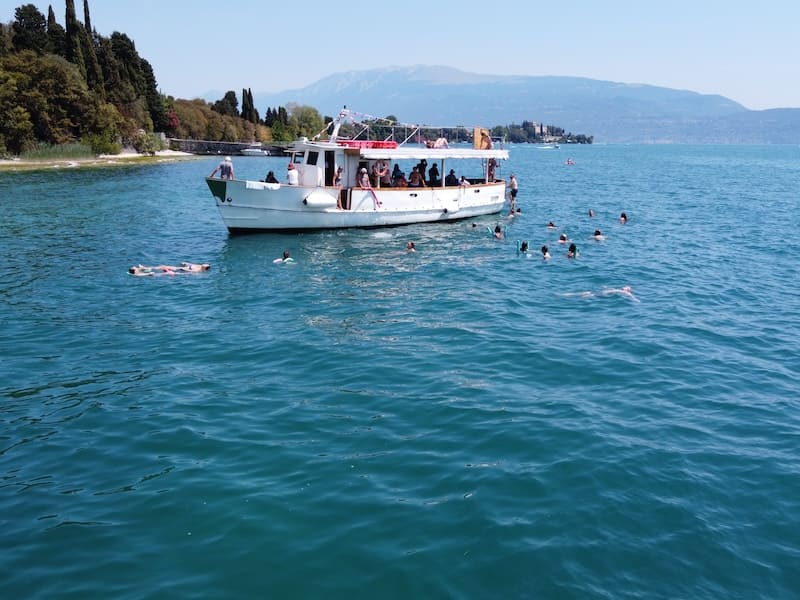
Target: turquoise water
460,422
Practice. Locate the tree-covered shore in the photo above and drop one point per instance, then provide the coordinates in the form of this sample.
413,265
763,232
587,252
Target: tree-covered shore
67,92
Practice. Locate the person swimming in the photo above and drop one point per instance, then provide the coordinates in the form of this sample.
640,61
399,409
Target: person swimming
625,290
184,267
523,247
591,213
598,235
545,253
410,247
498,232
551,225
572,251
623,218
562,239
286,258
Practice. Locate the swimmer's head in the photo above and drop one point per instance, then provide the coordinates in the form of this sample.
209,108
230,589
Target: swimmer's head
544,249
524,246
285,254
132,270
563,237
597,232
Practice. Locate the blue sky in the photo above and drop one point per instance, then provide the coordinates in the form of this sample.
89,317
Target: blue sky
745,50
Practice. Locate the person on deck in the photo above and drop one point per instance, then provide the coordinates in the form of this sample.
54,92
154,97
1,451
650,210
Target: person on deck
225,169
451,178
433,174
291,175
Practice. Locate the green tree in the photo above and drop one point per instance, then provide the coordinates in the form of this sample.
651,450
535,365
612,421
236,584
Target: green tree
74,52
56,35
304,121
228,105
30,29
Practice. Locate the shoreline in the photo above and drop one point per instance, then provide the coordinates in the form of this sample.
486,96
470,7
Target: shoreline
102,160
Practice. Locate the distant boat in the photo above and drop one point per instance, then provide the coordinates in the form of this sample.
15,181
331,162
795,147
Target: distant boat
254,150
315,201
548,146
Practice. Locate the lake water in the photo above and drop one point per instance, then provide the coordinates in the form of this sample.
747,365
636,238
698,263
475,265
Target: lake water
465,421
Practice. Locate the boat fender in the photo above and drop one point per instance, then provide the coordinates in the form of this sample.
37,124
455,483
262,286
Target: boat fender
444,210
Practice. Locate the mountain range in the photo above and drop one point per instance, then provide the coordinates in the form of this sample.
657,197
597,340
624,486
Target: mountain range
611,112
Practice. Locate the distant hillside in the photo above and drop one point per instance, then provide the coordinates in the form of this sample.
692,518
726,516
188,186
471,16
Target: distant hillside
610,111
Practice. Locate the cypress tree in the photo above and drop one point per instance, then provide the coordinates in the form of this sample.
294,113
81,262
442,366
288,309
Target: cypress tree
87,22
73,41
56,34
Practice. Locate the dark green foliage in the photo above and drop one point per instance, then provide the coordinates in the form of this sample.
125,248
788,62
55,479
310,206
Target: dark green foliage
74,52
249,112
56,35
3,40
30,29
228,105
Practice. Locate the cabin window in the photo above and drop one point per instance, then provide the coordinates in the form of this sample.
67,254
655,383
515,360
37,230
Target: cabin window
312,158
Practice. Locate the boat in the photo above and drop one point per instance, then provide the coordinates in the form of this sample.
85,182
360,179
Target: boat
316,202
254,150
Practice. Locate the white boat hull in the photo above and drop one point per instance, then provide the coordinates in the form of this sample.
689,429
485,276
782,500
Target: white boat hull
256,206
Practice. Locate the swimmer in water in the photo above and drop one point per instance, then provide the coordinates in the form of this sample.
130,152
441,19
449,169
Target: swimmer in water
623,218
498,232
551,225
572,251
591,213
284,259
598,235
562,239
545,253
523,247
625,290
185,267
410,247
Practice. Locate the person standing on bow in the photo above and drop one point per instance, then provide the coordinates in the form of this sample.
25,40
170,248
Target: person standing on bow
225,169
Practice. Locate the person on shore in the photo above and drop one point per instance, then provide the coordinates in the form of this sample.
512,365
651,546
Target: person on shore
270,178
225,169
545,253
292,177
